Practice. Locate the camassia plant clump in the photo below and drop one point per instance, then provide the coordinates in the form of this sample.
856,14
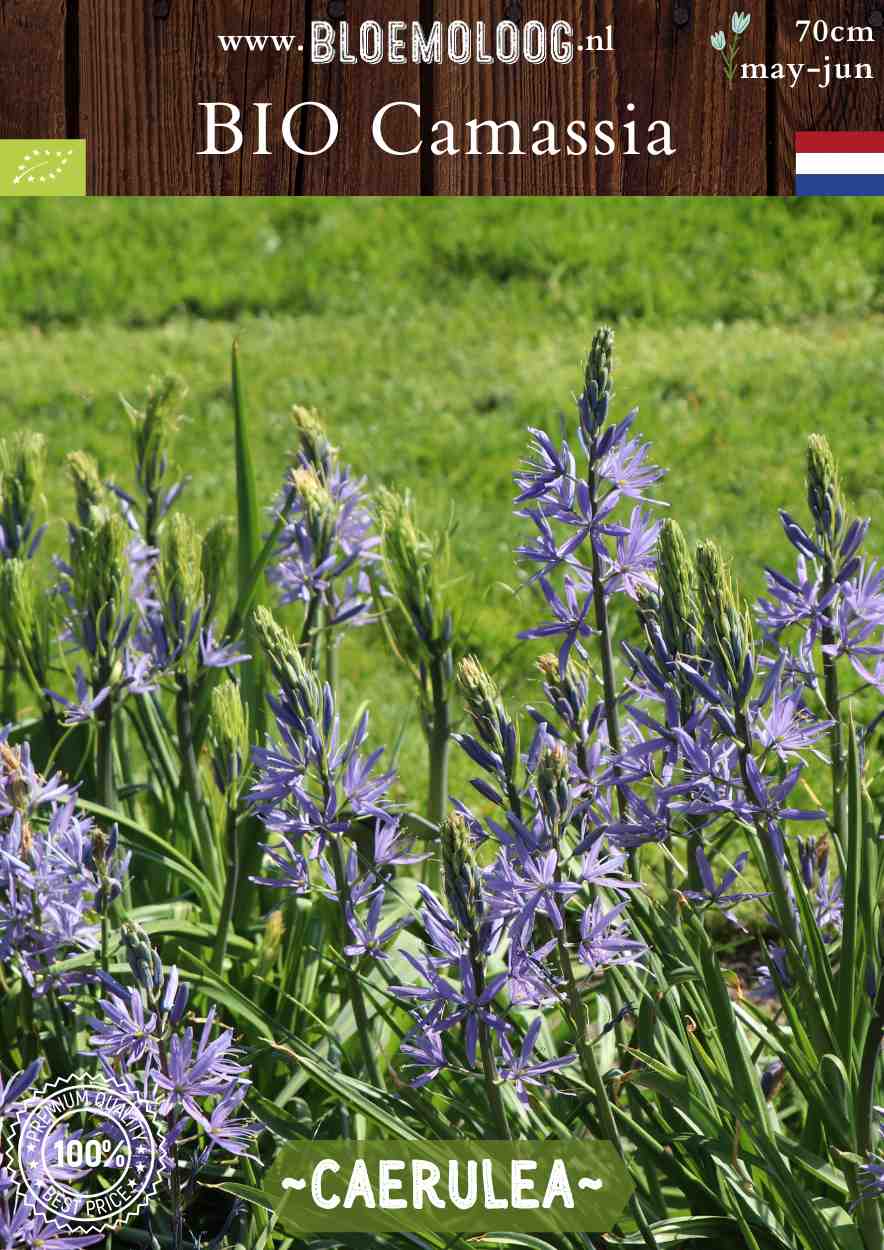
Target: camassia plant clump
654,919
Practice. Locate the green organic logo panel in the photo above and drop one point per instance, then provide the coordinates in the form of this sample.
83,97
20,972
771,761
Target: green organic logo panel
452,1187
42,167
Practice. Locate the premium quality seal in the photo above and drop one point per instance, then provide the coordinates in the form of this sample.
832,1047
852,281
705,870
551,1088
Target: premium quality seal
85,1152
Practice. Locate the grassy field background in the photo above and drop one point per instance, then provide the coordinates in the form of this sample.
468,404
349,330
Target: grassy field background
430,334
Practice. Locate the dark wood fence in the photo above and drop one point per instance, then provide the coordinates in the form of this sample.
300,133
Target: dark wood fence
128,75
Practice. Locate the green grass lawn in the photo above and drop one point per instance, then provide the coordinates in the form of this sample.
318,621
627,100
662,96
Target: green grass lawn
430,335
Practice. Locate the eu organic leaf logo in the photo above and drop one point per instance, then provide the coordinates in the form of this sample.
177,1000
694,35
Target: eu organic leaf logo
41,165
739,26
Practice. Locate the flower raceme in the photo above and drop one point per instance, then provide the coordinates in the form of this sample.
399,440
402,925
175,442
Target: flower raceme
554,971
328,544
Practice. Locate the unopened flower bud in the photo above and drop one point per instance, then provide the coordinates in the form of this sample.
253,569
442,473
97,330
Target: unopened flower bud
287,663
100,578
153,429
460,872
488,711
824,492
229,734
180,569
553,784
214,562
415,567
727,632
567,692
18,608
26,617
600,362
89,490
480,693
22,465
312,438
678,590
313,496
144,961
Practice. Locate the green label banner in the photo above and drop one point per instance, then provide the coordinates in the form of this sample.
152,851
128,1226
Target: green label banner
42,167
462,1186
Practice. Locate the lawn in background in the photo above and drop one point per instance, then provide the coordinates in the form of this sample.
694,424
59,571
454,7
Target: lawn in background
429,335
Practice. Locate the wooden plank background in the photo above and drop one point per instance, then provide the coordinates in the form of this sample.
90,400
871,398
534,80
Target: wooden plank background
129,77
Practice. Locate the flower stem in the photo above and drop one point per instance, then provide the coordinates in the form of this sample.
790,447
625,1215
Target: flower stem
833,707
782,908
107,793
230,887
332,659
593,1078
105,939
352,986
192,783
486,1050
8,698
309,642
869,1210
439,745
602,624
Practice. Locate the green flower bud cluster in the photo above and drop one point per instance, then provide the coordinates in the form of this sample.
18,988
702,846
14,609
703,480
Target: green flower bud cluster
287,663
153,430
189,577
598,390
22,466
554,786
180,572
461,878
145,963
727,629
90,492
27,619
99,582
824,496
678,590
317,505
488,711
600,362
214,563
229,738
568,692
312,439
677,610
415,566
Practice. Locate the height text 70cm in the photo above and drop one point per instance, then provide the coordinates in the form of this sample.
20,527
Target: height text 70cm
820,32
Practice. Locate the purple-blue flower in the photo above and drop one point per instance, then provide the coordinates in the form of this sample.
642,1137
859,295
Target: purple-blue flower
722,895
570,621
604,938
522,1071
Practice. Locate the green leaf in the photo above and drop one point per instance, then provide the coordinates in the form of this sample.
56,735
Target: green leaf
201,976
683,1227
253,673
277,1119
151,846
745,1078
850,971
248,517
255,1196
353,1093
514,1239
